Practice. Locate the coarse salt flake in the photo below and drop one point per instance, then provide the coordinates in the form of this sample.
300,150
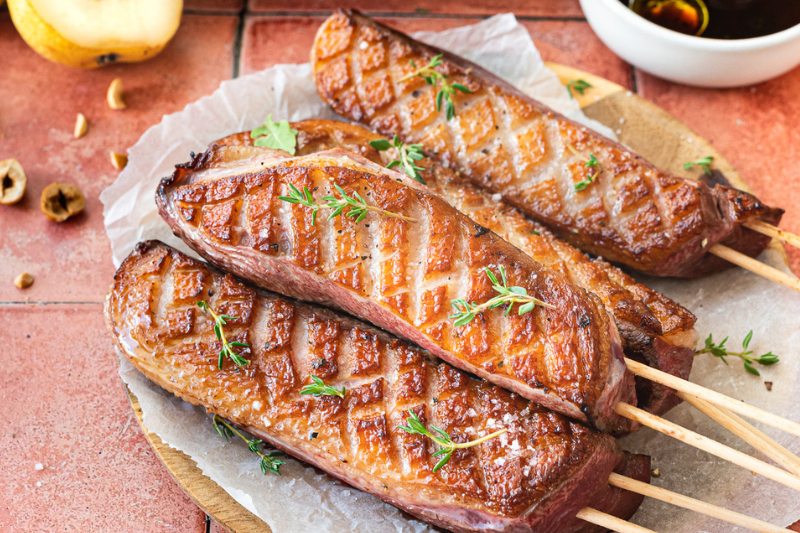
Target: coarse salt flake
39,466
500,461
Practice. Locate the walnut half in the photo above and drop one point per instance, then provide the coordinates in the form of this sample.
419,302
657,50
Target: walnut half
61,201
12,181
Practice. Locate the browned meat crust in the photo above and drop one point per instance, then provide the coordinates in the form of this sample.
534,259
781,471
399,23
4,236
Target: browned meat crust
400,275
506,142
654,329
534,478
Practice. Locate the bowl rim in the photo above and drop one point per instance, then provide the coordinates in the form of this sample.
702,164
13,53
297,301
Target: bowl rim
700,43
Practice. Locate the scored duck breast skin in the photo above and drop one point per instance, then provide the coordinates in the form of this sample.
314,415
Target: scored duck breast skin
506,142
654,329
534,478
400,275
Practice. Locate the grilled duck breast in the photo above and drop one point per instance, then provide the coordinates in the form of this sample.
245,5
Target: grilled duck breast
502,140
401,274
654,329
534,478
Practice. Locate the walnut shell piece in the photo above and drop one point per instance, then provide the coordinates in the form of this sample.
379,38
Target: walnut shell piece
61,201
12,181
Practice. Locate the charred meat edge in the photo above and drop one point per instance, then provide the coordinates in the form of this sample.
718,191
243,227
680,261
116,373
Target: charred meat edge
667,345
553,514
727,208
295,281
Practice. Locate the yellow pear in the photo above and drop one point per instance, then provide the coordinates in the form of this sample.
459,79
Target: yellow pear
92,33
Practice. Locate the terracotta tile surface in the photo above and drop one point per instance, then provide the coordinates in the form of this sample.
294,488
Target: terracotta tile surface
528,8
39,101
97,471
754,127
72,455
270,40
214,6
573,43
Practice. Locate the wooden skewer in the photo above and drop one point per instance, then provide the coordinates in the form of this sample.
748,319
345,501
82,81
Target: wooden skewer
714,397
746,432
709,445
757,267
610,522
645,489
774,232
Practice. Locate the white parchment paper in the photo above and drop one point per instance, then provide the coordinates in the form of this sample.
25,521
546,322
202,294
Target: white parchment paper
302,500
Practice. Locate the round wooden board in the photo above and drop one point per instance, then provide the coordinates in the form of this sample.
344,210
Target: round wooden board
646,129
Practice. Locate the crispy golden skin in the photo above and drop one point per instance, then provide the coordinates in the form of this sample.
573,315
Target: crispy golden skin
654,329
534,478
400,275
504,141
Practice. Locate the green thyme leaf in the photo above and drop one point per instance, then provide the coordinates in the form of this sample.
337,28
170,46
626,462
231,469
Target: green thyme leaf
446,90
465,312
269,462
408,153
721,351
590,163
357,206
446,443
704,163
318,388
578,86
227,347
381,144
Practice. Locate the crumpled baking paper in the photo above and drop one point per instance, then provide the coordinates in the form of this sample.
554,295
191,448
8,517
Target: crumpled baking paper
301,499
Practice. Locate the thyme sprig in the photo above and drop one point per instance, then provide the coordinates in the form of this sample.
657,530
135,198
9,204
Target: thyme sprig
447,446
358,207
270,462
434,77
409,155
227,347
578,86
508,296
719,350
318,388
704,163
590,163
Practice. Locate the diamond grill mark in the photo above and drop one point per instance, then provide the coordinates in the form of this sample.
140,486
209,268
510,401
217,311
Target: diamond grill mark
498,137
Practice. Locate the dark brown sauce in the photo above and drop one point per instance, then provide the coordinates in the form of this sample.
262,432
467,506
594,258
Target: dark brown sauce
727,19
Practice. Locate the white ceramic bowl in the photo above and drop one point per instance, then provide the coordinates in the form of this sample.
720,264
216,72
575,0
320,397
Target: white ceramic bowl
687,59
